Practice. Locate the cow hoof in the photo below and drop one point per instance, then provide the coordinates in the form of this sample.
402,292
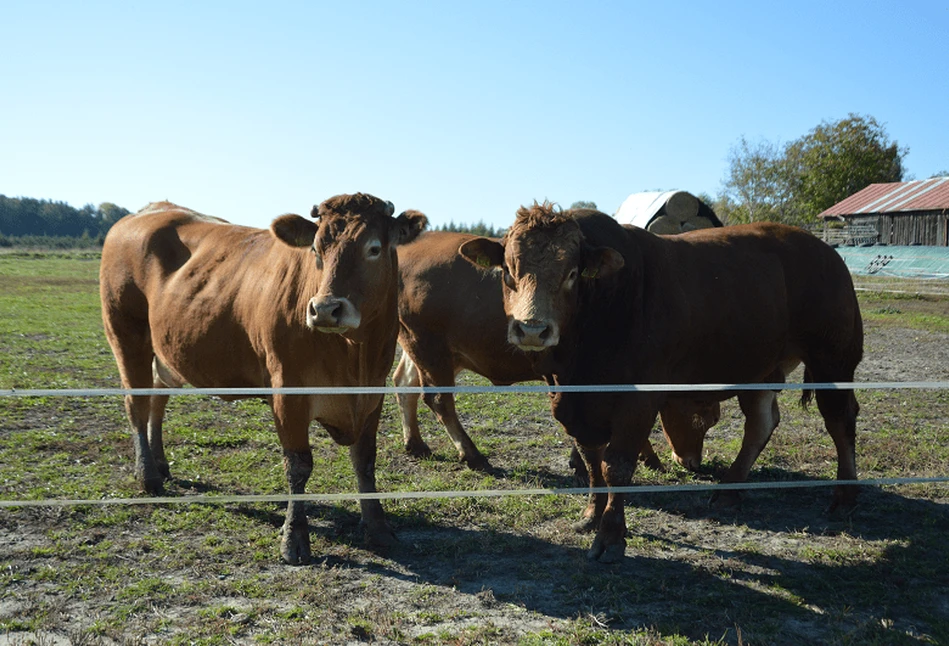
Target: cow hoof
164,470
613,554
418,449
153,484
586,525
295,546
840,512
477,462
727,499
605,552
654,463
381,536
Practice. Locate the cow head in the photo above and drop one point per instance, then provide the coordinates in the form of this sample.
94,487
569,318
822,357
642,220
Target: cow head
685,422
543,259
353,242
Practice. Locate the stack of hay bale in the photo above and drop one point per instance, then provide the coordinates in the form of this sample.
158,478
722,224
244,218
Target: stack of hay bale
666,212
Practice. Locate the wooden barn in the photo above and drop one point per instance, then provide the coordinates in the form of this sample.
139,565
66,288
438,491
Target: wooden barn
899,213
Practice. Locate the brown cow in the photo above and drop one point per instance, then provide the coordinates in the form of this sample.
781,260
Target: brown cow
191,299
600,304
452,319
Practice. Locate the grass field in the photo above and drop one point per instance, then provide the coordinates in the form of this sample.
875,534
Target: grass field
466,570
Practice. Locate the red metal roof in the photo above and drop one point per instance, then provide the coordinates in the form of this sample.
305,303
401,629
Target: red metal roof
897,197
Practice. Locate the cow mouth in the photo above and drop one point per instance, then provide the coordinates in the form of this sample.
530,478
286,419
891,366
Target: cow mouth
533,348
332,330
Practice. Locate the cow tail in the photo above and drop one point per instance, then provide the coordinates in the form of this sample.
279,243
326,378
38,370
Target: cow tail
807,394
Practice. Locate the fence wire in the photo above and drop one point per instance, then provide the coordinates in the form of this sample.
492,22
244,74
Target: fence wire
479,493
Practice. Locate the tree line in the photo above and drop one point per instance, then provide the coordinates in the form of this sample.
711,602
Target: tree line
790,183
26,221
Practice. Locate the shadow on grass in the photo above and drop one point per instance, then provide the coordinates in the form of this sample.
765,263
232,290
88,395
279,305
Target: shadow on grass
882,582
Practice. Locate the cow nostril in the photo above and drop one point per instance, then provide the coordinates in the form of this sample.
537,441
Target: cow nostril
311,309
545,334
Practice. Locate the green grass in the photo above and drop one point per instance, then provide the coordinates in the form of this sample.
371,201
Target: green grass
467,570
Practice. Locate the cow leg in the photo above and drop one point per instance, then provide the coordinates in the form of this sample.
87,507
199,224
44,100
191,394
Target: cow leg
295,534
406,375
156,414
762,416
443,405
291,417
649,458
162,377
131,345
582,476
839,408
362,454
592,459
434,371
147,470
619,463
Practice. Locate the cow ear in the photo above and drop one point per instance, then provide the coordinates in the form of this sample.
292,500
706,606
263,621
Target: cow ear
294,230
601,262
483,252
408,225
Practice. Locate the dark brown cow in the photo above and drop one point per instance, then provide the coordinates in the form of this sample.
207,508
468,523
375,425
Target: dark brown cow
600,304
191,299
452,319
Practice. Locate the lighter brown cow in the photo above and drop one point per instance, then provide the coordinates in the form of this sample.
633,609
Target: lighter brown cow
187,298
599,304
452,319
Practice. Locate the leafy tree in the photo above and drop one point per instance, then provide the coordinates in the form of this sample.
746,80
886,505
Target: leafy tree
942,173
583,204
758,185
109,213
835,160
796,182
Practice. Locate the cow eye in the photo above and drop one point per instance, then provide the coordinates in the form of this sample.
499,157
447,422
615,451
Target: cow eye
374,250
509,279
571,277
317,257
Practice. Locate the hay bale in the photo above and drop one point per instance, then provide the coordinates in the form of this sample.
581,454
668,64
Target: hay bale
666,212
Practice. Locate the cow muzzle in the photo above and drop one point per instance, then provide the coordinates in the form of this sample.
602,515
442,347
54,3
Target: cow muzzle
533,335
332,314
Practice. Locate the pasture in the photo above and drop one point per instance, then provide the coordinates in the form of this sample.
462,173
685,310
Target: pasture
506,570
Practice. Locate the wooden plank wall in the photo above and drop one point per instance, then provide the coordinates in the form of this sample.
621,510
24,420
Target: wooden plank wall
930,228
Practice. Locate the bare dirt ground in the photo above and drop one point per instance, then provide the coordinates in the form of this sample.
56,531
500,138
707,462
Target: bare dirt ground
690,570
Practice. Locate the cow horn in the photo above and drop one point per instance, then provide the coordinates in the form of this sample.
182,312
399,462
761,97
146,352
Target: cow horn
390,208
315,212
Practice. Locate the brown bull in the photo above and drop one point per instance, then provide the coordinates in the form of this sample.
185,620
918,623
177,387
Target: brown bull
452,319
187,298
600,304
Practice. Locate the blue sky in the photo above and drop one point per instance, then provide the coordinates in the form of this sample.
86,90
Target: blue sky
462,110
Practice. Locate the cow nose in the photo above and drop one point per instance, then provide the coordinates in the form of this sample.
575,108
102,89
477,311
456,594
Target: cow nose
533,334
331,314
326,312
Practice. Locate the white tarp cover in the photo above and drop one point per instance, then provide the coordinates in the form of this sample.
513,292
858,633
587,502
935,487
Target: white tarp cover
662,212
